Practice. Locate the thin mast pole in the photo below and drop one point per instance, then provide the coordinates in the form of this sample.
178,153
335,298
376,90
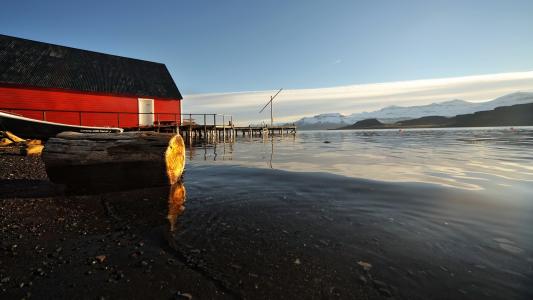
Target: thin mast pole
271,114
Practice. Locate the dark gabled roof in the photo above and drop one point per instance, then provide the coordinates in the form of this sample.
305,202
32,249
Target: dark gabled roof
36,64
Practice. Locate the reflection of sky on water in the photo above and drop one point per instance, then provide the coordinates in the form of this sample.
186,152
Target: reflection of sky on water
474,159
475,233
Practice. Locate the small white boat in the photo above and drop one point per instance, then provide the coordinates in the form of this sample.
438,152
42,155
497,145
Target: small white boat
36,129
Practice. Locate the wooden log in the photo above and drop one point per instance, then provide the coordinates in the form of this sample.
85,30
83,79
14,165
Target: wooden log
25,147
114,161
13,137
5,142
32,149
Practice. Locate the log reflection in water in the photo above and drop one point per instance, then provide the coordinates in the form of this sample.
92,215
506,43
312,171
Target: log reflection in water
176,203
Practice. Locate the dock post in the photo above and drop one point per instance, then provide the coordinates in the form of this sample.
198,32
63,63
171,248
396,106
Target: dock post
205,129
190,125
224,128
232,128
215,133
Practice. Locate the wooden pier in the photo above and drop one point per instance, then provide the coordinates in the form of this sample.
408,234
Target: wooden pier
219,132
215,127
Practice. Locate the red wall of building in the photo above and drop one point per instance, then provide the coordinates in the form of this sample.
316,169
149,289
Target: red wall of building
166,110
94,107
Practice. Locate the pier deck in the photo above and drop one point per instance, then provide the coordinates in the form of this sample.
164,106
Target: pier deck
200,126
209,132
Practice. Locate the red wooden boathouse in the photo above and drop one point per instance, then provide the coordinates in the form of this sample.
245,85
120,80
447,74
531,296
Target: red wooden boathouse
79,87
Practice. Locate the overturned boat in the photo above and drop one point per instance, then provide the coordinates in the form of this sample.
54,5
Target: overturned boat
36,129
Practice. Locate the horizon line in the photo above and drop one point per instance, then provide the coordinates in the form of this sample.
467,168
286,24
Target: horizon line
294,104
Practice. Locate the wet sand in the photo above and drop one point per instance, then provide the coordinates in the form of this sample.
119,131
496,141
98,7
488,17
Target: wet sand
251,233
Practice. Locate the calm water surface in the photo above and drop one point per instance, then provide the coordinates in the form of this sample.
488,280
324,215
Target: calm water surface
473,159
440,214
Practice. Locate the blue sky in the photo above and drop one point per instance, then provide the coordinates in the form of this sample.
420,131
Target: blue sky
232,46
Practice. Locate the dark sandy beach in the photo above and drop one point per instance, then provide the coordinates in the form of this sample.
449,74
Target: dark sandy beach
113,245
87,246
252,233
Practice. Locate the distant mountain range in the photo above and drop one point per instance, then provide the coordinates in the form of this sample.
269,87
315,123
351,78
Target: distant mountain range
393,114
513,115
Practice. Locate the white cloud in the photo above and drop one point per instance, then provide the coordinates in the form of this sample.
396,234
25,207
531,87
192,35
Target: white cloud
290,105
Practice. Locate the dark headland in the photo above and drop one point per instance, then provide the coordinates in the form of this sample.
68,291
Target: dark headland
515,115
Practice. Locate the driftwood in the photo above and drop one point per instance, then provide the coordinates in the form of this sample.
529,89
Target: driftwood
25,147
113,161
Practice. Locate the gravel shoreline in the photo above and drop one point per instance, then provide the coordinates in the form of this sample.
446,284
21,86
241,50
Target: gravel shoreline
55,245
277,238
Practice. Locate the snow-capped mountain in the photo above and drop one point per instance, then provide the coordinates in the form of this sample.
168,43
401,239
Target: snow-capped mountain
391,114
334,118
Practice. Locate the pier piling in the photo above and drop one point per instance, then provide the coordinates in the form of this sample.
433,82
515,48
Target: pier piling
226,130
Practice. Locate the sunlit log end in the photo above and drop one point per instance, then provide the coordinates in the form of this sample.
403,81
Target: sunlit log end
175,158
